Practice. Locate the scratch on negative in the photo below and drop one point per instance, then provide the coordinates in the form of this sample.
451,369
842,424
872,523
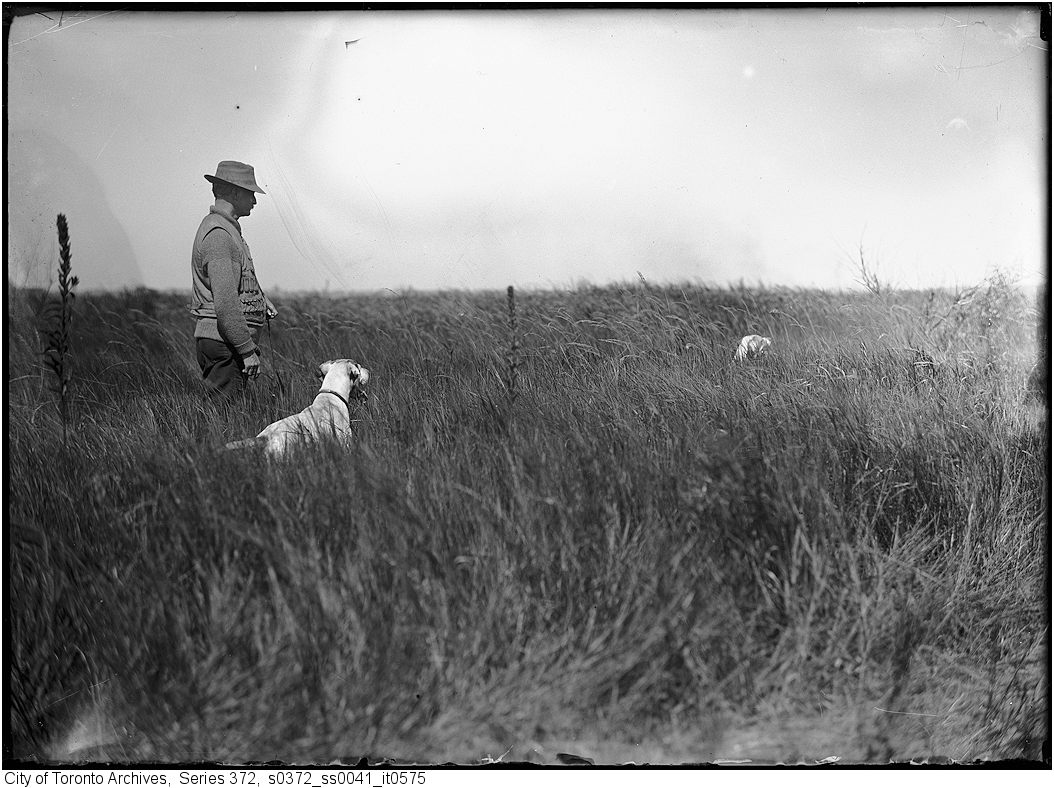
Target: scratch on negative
909,713
93,686
58,28
107,141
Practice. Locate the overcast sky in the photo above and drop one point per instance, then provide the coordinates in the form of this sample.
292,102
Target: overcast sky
470,149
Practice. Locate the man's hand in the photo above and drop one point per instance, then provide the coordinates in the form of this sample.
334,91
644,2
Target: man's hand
272,311
251,365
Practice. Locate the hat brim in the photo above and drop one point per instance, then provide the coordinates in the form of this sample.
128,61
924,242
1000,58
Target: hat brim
253,188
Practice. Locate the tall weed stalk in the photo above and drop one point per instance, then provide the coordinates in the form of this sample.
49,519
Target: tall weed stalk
512,357
57,328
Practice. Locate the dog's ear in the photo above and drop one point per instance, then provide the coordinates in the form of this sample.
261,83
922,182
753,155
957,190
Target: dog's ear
323,369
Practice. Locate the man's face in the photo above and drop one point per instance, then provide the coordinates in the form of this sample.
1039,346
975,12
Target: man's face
242,200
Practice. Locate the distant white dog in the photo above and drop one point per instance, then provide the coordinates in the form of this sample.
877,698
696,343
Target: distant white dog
753,346
329,414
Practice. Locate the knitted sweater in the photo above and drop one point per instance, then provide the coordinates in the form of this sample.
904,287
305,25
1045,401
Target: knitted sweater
227,301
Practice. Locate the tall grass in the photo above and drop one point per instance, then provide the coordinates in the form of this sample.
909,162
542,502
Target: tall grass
642,544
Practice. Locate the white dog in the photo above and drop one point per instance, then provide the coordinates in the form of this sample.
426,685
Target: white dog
329,414
753,346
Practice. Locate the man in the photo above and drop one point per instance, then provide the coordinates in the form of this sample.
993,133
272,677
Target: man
227,303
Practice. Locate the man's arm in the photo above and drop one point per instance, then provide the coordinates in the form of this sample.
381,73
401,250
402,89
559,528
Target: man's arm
224,278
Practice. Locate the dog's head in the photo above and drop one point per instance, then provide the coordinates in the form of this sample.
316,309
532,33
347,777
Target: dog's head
345,372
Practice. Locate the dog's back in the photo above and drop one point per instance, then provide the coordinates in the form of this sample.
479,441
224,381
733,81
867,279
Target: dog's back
752,346
323,417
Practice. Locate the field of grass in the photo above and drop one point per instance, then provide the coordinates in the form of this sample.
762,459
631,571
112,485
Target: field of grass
573,527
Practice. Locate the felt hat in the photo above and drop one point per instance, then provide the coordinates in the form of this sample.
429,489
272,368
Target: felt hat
236,173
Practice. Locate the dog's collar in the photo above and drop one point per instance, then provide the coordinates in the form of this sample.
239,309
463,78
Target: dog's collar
338,396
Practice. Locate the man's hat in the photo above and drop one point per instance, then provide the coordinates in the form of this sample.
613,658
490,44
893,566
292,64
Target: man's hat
236,173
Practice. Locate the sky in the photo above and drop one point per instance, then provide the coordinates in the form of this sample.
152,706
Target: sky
433,148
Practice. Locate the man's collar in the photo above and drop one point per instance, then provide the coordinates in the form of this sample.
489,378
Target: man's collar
226,210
